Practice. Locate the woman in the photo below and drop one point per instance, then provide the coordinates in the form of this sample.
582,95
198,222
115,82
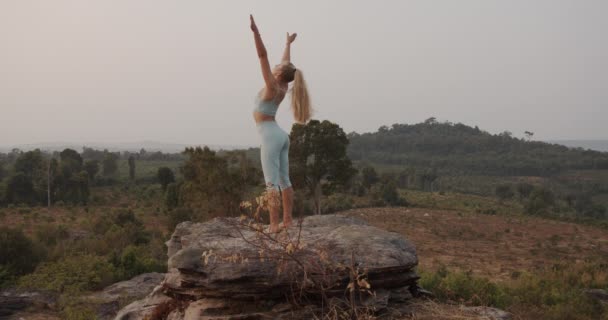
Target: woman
274,148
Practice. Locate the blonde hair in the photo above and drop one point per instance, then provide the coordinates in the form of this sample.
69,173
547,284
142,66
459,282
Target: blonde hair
300,100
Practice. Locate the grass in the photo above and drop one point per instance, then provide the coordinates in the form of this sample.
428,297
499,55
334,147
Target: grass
464,203
555,293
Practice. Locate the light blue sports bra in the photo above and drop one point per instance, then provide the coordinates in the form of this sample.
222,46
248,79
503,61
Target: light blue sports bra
268,107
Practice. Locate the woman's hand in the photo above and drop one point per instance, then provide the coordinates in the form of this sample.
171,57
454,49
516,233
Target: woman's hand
291,38
254,28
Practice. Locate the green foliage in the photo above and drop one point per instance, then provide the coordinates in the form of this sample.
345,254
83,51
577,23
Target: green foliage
465,203
71,161
20,189
71,274
165,176
179,215
337,202
171,196
2,171
92,168
6,276
318,161
110,164
123,217
540,201
119,229
51,234
524,190
390,195
28,181
131,168
460,149
369,176
555,292
585,207
18,254
210,185
31,164
71,187
463,287
504,192
133,261
75,311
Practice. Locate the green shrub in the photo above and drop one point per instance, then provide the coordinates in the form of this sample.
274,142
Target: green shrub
556,292
336,202
463,287
504,192
133,261
179,215
73,306
18,254
50,234
540,201
171,196
71,274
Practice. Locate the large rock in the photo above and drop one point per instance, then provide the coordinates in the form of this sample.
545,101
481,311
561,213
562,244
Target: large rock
13,301
219,268
108,302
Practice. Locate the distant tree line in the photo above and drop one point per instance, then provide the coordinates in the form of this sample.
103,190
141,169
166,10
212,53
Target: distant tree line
459,149
32,177
541,200
99,155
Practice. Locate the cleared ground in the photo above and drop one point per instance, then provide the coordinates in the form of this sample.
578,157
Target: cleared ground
492,246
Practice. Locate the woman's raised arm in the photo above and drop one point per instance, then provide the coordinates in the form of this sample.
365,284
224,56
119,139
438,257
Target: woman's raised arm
287,52
263,55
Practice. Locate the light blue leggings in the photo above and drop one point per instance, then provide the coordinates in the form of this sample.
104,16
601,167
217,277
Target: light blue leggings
274,153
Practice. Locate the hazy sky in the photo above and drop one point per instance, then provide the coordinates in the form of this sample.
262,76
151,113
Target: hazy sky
186,71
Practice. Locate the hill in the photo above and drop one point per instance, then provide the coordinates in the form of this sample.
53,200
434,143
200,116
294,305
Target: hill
458,149
598,145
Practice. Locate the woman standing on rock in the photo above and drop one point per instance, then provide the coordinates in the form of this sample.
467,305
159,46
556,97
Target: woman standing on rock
274,147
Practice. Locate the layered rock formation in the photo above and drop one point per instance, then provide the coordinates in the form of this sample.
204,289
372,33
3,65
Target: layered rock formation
227,269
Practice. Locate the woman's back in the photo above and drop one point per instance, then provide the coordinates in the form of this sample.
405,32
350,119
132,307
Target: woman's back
269,107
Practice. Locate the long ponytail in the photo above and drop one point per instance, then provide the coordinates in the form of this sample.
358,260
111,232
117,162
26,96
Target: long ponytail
300,101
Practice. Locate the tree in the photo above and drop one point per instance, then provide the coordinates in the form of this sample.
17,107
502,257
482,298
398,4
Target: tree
2,170
71,161
71,180
318,160
390,194
92,168
131,167
209,183
369,176
529,135
34,168
431,121
19,189
110,164
540,201
504,192
18,254
524,190
171,196
165,176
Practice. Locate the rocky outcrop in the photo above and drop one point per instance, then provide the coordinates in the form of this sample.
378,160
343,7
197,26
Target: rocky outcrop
223,269
487,313
14,301
108,302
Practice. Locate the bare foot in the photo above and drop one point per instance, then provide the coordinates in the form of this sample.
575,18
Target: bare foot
285,226
273,229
